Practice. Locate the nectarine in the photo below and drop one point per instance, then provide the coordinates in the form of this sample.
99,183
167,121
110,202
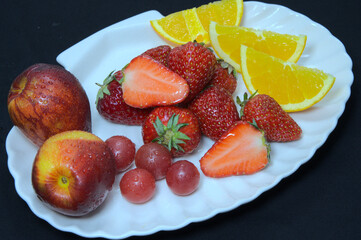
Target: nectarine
73,172
47,99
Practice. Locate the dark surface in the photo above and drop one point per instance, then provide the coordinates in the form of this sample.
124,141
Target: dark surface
322,200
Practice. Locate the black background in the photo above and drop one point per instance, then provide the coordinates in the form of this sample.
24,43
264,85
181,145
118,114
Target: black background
321,200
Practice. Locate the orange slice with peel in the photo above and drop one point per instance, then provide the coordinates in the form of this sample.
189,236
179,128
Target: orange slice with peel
293,86
192,24
227,40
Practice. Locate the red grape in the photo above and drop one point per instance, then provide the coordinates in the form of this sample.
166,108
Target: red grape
123,150
137,185
183,177
155,158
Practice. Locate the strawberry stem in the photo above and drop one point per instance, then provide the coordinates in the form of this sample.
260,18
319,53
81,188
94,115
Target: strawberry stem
229,67
170,135
243,103
104,87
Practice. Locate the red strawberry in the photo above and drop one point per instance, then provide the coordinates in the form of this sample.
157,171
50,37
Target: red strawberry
225,76
270,117
159,53
111,106
148,83
215,110
242,150
174,127
195,63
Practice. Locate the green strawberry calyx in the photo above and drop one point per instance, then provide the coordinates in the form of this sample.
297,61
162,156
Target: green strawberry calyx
169,135
229,67
104,87
242,103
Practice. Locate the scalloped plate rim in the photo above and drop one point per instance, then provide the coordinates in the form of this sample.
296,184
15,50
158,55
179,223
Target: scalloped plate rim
100,233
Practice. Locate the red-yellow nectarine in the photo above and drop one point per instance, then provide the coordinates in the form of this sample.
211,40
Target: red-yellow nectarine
47,99
73,172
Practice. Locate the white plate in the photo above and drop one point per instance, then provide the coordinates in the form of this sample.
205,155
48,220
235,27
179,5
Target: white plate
111,48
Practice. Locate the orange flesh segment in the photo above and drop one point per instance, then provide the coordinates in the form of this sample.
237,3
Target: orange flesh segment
293,86
227,40
193,24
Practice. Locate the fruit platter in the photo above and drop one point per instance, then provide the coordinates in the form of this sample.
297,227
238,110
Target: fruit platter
167,208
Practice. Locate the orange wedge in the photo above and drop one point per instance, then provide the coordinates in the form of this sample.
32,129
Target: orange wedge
193,24
293,86
226,41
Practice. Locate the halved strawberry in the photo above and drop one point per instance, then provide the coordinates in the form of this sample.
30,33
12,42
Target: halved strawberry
110,103
148,83
242,150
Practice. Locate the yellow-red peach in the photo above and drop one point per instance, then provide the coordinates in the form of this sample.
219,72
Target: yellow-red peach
73,172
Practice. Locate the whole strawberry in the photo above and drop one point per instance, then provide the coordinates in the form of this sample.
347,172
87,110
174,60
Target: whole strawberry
174,127
159,53
195,63
270,117
111,106
225,76
216,111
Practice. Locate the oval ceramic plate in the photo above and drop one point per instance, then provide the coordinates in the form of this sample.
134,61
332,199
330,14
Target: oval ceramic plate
92,59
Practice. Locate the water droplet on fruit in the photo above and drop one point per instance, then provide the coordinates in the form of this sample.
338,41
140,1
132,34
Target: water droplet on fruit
136,178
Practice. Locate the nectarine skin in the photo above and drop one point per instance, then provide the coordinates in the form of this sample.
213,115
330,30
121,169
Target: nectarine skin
73,172
47,99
